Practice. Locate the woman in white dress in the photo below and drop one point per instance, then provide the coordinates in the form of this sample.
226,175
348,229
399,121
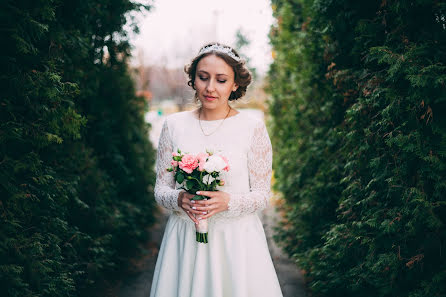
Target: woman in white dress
236,260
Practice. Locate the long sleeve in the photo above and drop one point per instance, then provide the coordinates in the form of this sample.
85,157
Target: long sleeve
260,171
165,193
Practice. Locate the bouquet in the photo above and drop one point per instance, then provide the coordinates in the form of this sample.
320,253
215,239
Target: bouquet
199,172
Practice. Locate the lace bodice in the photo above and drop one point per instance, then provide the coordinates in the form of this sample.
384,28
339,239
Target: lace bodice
242,138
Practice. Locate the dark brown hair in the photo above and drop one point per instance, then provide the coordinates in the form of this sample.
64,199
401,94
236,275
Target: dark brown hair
242,76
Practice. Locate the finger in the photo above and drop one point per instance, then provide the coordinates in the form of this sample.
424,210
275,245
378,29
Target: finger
200,208
186,201
207,193
199,203
193,210
207,216
187,198
190,196
198,211
203,212
216,199
188,207
206,207
204,202
192,217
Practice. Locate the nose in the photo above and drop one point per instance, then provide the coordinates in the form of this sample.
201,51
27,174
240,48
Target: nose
210,86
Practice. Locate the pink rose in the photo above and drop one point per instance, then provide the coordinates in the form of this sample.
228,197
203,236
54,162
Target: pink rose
201,157
174,154
174,163
188,163
227,163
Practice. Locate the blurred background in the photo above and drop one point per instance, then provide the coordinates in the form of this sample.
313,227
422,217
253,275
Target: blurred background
170,36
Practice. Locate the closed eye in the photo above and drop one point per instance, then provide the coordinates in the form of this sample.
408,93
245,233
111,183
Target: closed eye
203,78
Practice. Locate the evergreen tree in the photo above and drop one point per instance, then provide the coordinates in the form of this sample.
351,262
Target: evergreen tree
359,105
76,166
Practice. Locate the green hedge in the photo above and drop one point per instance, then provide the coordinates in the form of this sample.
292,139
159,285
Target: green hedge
359,131
76,165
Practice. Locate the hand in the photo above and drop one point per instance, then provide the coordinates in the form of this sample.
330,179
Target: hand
218,202
186,204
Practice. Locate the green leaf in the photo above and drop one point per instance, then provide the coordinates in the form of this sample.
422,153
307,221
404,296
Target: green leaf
179,177
190,184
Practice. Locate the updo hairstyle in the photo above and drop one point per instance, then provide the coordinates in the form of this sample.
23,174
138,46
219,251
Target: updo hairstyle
242,76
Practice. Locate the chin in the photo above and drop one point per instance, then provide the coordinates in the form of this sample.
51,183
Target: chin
210,105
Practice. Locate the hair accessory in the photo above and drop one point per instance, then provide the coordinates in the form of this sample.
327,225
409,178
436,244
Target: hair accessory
221,49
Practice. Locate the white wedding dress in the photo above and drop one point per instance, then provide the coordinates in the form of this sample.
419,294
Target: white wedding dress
236,261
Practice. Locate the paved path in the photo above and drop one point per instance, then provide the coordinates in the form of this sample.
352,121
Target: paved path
138,284
290,279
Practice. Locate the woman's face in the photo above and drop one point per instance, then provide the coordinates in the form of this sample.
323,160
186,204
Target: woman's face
214,82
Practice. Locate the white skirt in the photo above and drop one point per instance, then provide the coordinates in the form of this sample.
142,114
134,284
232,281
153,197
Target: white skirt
235,263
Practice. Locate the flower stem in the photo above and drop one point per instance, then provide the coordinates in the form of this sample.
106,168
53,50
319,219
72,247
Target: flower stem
201,237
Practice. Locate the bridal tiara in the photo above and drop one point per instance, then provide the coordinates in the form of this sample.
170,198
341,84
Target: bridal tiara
220,49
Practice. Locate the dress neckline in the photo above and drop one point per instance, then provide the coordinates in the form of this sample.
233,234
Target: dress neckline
194,115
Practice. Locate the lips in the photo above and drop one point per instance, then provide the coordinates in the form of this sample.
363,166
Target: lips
210,98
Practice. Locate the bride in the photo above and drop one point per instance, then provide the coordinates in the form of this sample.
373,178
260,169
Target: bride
236,260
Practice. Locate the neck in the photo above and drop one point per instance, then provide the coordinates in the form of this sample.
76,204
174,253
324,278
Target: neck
214,114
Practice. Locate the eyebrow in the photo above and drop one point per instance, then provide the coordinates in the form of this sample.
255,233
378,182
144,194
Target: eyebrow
208,73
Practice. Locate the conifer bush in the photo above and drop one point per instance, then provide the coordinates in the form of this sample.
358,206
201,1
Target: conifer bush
76,165
359,130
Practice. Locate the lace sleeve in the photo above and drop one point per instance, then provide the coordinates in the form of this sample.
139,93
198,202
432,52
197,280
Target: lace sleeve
165,193
260,169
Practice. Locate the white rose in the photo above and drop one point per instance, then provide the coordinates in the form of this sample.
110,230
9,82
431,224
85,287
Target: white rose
214,163
208,179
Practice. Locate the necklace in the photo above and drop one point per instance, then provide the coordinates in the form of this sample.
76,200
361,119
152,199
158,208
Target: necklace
199,121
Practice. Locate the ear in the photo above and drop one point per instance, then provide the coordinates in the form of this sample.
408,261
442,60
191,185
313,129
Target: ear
235,88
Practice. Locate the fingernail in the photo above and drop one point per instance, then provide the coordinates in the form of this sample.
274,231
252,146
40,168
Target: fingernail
193,207
204,212
198,192
192,201
200,218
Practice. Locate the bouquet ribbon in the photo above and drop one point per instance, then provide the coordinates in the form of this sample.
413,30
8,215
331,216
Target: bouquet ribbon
202,226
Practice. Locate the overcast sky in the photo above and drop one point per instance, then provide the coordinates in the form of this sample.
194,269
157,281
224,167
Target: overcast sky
174,30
